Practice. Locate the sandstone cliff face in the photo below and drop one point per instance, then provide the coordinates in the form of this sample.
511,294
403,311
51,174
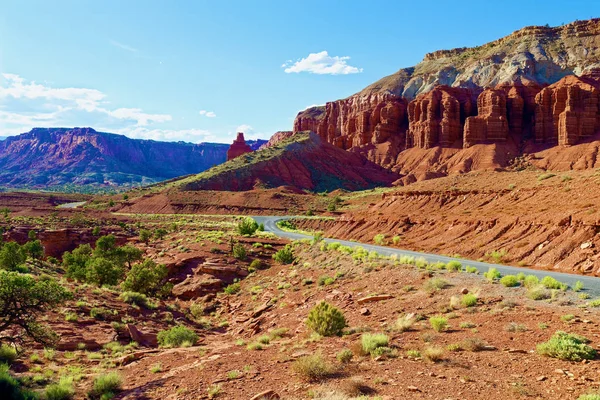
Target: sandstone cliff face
238,147
537,83
568,111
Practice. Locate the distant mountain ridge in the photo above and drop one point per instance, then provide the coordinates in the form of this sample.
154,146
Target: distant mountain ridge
82,157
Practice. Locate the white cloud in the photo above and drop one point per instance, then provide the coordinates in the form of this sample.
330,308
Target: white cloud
123,46
136,114
63,100
322,64
169,135
208,114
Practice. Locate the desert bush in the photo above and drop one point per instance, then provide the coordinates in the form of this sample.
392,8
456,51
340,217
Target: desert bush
473,344
492,274
589,396
531,281
471,270
551,283
239,252
8,354
101,271
379,239
453,266
566,346
313,368
10,388
258,264
23,300
434,284
145,235
578,286
247,226
370,342
326,320
344,356
233,288
136,298
106,386
63,390
160,233
146,278
178,336
404,323
515,327
285,255
498,255
438,323
433,353
469,300
510,281
538,292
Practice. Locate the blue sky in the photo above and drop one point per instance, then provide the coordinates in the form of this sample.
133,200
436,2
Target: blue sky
201,70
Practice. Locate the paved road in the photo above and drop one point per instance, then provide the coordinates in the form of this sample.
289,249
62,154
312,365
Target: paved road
71,205
591,284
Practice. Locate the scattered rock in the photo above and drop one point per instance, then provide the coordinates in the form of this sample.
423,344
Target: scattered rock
266,395
365,311
370,299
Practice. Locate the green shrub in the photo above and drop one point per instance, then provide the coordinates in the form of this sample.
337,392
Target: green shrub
138,299
471,270
106,386
370,342
498,255
531,281
247,226
435,284
233,288
258,264
566,346
510,281
10,388
438,323
178,336
285,255
433,353
99,313
578,287
492,274
551,283
63,390
12,256
538,292
145,235
146,278
521,277
102,272
313,368
344,356
325,280
589,396
453,266
326,320
469,300
239,252
8,354
379,239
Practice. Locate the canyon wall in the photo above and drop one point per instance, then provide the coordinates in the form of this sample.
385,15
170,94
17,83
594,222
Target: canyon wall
539,84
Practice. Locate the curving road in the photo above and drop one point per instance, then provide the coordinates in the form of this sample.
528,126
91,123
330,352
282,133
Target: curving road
590,283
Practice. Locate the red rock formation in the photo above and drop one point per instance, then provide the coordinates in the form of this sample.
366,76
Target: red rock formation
277,138
238,147
568,110
490,124
437,117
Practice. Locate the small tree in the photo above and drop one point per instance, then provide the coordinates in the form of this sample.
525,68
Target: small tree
247,226
32,235
147,277
75,262
34,249
12,256
160,233
23,299
128,255
145,235
103,272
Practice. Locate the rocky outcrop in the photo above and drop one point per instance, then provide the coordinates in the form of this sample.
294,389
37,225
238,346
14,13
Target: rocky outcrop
277,137
238,147
437,118
491,123
537,83
304,161
52,157
568,111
